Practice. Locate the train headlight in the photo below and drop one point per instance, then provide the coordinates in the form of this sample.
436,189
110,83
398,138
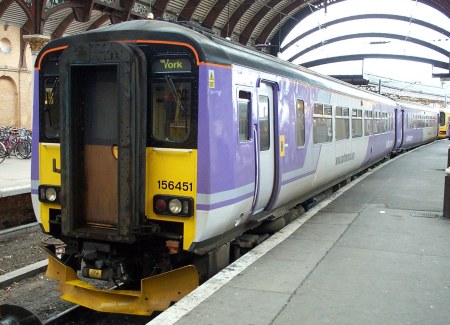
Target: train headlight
49,193
180,206
175,206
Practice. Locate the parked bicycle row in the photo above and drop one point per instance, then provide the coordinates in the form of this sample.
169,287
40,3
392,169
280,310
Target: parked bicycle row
14,142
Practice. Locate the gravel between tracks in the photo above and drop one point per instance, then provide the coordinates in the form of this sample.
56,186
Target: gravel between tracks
21,251
38,294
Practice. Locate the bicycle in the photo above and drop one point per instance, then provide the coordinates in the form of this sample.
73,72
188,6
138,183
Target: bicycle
2,152
16,141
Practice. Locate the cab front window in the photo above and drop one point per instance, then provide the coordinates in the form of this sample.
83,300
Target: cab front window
171,110
173,102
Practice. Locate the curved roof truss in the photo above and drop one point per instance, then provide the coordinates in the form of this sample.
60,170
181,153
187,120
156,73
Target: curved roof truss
365,35
433,27
249,22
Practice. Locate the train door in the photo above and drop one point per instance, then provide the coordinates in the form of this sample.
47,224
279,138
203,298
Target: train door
103,138
266,170
398,127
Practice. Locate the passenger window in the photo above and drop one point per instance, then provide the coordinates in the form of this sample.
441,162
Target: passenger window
357,123
377,123
384,127
244,115
264,126
322,123
342,123
300,122
368,123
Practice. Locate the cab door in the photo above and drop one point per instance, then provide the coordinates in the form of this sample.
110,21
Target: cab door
103,96
266,150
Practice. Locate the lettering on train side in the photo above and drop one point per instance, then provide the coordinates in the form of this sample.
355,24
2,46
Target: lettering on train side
344,158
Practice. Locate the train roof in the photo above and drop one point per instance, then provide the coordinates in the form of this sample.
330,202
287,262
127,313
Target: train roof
213,49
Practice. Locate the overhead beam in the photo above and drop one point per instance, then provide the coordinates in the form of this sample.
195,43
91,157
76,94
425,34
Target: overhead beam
188,10
4,6
365,17
370,35
158,8
215,12
271,25
356,57
235,17
82,10
99,22
247,32
63,25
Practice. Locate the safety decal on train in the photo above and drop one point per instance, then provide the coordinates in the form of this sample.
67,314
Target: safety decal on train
212,80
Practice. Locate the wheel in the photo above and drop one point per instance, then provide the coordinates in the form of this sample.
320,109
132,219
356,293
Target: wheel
23,149
2,152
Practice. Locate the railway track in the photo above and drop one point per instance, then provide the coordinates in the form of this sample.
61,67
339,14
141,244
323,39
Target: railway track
82,316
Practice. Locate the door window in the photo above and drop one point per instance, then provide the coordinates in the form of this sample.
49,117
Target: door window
264,125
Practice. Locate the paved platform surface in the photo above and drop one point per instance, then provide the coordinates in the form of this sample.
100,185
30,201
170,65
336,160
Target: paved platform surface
378,254
15,176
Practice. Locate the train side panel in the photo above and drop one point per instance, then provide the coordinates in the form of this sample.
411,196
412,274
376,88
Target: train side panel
226,166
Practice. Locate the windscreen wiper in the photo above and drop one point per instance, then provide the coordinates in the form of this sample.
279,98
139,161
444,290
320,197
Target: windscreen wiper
175,93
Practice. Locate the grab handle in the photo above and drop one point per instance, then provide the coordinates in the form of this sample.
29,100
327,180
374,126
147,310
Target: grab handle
256,191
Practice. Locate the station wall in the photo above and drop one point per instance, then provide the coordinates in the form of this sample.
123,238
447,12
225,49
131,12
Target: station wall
15,80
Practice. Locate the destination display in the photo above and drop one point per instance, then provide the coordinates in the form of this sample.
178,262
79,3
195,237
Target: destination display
171,65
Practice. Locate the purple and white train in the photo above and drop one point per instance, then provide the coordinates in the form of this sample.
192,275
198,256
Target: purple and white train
158,145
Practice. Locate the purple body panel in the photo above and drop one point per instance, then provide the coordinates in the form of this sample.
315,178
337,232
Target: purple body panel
226,164
290,92
35,140
223,162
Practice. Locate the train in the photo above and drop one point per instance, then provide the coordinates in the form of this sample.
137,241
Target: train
161,148
444,123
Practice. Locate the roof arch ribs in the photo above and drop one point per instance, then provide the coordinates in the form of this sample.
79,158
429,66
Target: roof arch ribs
214,13
368,16
235,18
356,57
364,35
189,9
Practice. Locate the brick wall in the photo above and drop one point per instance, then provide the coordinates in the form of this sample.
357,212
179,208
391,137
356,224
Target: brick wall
15,81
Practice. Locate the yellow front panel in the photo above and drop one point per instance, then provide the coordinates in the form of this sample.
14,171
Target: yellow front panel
172,172
49,174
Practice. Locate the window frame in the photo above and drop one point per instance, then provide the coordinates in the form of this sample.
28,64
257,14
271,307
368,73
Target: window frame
300,120
249,102
324,117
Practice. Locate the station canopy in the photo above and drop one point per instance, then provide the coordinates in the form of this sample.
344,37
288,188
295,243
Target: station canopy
311,33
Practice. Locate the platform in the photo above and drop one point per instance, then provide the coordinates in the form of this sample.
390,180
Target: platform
377,252
15,176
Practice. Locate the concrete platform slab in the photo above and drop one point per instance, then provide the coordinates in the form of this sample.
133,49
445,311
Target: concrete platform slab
227,306
15,176
358,286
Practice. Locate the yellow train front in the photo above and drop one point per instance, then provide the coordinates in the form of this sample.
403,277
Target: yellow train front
444,123
112,179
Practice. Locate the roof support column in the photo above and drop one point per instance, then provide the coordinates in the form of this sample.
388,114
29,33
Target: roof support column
37,43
